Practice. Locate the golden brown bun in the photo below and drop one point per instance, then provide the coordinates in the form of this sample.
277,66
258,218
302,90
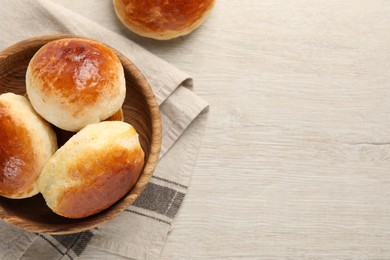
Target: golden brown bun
75,82
93,170
26,144
162,20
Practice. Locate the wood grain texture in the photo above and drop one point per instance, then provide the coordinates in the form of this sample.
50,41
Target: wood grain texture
295,160
140,110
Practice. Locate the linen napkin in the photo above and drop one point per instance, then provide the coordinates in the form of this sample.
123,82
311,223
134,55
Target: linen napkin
140,231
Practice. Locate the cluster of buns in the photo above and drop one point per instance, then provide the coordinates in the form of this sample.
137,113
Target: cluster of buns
162,20
73,84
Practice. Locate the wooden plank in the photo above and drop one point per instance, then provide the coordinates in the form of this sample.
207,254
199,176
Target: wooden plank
296,157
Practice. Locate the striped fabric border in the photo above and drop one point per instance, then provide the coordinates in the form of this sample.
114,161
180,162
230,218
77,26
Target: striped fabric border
68,246
160,201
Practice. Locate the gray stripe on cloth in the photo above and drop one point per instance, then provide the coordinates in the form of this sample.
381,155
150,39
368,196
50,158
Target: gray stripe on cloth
63,246
171,182
148,216
160,199
45,247
156,198
58,246
175,205
59,249
76,242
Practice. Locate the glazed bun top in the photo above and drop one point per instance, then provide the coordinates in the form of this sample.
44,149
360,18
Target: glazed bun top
162,20
74,82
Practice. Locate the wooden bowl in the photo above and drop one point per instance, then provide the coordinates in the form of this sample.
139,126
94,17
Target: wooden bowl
140,109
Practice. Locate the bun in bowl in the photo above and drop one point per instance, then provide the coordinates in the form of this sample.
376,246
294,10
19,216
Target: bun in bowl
26,144
74,82
93,170
162,20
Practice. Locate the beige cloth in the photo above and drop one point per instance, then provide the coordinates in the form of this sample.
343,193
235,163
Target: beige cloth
139,232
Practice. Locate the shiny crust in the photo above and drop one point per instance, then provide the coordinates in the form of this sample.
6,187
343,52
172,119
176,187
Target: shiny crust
68,80
17,161
75,69
109,178
93,170
162,20
26,144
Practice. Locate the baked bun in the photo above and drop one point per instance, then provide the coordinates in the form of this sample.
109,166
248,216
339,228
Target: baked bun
93,170
75,82
26,144
162,20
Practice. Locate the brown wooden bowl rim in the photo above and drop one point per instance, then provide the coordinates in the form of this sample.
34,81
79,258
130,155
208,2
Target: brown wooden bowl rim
149,165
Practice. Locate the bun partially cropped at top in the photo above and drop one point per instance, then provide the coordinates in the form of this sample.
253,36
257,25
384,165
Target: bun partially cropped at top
26,144
93,170
74,82
162,20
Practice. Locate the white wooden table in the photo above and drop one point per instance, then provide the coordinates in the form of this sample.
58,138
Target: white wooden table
295,161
